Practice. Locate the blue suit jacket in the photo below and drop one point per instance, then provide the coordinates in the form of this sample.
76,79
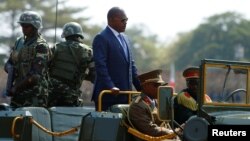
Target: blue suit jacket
112,67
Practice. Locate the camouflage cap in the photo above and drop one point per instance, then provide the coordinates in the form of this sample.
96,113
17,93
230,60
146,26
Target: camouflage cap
72,28
31,17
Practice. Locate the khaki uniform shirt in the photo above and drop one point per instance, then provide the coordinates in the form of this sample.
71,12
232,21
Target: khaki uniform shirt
142,116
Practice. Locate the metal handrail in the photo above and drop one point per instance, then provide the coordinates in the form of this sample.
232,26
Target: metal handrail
58,134
110,92
15,136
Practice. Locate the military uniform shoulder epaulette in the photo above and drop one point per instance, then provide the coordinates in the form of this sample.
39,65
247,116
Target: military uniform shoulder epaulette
138,99
186,100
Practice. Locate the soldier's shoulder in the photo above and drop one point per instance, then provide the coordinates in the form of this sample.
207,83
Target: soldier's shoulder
87,50
42,42
40,38
183,94
61,44
138,101
87,47
19,40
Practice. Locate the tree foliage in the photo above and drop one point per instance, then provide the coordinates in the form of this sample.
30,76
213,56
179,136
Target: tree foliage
220,37
145,51
54,14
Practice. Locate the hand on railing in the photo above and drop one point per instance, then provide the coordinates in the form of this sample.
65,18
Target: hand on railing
115,90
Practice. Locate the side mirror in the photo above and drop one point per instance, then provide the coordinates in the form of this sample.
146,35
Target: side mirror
164,97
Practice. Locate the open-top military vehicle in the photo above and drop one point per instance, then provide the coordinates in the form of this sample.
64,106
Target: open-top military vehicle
226,82
70,123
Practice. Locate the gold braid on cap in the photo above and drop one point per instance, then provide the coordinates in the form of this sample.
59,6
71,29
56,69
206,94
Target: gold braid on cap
158,80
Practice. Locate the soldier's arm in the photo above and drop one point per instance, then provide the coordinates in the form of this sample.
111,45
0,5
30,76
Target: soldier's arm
26,83
90,73
141,119
39,65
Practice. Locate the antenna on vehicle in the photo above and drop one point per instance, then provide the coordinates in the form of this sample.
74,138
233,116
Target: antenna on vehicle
56,20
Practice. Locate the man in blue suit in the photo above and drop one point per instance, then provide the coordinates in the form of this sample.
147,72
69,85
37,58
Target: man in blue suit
115,67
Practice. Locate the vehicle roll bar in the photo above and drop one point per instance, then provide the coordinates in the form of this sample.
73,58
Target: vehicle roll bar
110,92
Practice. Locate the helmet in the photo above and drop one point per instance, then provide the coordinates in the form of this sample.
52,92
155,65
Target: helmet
72,28
31,17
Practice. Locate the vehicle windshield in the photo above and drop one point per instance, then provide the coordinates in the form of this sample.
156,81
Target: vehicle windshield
226,84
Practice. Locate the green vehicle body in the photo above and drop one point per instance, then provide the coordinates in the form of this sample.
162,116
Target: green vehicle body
227,84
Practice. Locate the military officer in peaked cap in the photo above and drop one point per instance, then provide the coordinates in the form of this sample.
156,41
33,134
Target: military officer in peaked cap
142,111
185,102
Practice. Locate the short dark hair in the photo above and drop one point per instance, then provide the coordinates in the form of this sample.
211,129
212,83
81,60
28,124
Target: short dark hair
113,12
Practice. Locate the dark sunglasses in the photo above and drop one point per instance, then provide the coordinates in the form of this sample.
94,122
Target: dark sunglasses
122,20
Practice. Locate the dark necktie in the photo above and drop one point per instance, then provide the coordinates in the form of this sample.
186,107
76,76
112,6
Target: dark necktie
124,46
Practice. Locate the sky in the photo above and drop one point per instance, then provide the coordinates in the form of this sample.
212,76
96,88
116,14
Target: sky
165,18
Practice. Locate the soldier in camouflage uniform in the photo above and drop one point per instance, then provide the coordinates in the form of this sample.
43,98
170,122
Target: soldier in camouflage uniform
29,58
71,63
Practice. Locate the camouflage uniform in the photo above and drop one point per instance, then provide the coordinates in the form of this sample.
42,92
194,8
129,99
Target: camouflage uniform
29,58
71,64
